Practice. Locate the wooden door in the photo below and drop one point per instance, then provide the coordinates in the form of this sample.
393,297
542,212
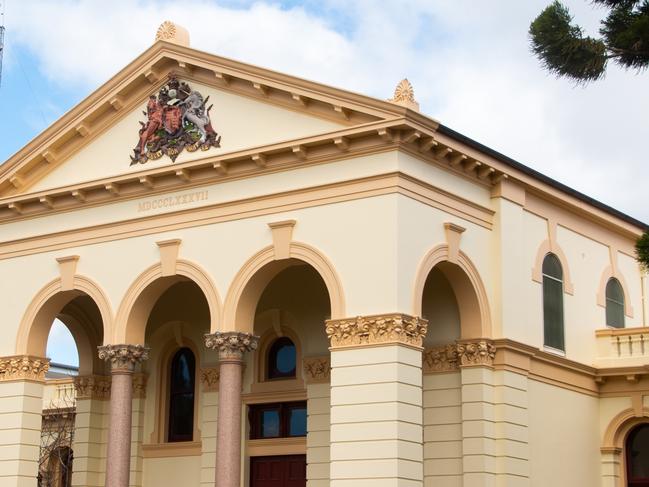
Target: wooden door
278,471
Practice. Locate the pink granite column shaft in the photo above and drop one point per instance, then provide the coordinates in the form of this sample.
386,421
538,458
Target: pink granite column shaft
123,359
231,347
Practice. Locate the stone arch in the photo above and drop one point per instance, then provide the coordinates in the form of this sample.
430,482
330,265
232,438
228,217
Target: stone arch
141,296
613,442
475,316
548,247
257,272
48,304
620,426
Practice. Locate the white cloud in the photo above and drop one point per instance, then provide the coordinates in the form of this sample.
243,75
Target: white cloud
469,62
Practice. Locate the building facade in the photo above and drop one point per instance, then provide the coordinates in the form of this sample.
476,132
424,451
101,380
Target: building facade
272,282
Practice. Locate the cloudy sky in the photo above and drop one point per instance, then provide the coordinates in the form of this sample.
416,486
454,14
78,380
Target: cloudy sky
469,62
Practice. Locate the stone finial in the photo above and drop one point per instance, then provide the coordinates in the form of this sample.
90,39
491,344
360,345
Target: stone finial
404,95
123,357
231,345
170,32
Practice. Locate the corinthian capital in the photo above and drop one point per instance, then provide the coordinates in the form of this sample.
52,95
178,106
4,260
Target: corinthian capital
367,330
23,367
231,345
123,358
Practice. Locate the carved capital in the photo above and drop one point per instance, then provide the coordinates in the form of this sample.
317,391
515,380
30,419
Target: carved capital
123,358
476,352
231,345
464,353
139,385
210,379
23,367
317,369
441,359
92,386
367,330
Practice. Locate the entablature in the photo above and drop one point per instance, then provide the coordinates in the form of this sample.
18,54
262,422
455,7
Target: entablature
374,137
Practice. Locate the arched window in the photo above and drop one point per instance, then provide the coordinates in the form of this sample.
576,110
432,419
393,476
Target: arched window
281,359
553,302
637,456
614,304
181,396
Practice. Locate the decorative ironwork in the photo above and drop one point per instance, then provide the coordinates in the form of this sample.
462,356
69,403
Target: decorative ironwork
176,120
57,435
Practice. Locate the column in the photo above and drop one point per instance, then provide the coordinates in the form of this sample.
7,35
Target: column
90,430
122,359
231,347
475,358
376,401
21,404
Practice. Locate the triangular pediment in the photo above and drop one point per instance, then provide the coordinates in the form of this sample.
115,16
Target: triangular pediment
251,107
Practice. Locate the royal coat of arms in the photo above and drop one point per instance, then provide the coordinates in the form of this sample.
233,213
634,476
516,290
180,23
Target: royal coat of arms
176,120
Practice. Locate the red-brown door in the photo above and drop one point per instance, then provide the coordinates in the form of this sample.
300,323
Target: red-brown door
278,471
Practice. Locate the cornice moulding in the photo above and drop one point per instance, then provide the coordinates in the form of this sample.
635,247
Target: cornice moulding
361,140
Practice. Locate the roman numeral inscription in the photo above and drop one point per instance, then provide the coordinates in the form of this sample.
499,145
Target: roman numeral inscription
171,201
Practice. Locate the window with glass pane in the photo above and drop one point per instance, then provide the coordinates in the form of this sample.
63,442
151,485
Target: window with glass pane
181,396
614,304
297,421
282,359
277,420
637,456
553,302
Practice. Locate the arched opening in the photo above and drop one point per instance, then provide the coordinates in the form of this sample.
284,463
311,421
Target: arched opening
182,382
67,327
637,456
453,306
282,358
177,318
289,315
440,308
553,327
614,304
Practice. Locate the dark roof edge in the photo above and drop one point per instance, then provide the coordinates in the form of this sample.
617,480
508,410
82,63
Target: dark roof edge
541,177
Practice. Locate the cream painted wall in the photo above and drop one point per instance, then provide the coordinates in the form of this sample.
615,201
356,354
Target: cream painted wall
218,193
240,121
420,229
563,437
183,471
442,405
445,179
628,267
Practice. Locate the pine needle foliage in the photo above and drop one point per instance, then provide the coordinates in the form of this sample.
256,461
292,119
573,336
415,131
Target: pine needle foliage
642,251
564,50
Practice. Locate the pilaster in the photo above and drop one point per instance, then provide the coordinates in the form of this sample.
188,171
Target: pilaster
210,401
21,404
317,375
90,430
376,401
475,359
